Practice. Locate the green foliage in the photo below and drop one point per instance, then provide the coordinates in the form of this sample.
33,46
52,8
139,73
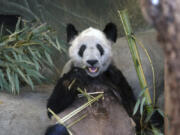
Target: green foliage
144,104
23,53
139,102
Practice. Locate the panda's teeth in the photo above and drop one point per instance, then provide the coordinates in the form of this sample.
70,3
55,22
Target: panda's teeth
93,70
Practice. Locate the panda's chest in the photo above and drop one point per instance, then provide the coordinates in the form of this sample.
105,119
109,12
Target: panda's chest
100,108
102,117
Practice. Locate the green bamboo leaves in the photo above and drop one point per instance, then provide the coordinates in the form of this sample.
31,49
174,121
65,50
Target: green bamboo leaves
135,54
144,104
140,102
23,53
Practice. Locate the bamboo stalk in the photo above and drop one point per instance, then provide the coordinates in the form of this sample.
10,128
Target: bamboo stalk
152,67
135,56
76,121
56,116
76,111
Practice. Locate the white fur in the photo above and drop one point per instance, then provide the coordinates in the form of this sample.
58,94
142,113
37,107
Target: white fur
91,37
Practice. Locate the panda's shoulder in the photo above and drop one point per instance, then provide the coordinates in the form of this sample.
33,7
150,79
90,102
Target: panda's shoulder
113,71
67,68
112,67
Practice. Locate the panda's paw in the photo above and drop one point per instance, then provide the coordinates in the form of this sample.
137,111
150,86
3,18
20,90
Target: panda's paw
56,130
157,120
49,114
80,75
79,72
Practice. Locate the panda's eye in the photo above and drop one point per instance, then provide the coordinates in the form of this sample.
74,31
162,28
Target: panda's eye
81,50
101,50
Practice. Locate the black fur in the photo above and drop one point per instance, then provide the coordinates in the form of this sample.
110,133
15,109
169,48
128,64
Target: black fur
81,50
61,97
116,77
56,130
111,31
101,50
71,32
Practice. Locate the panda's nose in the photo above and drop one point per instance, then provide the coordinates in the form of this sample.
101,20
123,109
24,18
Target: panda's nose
92,62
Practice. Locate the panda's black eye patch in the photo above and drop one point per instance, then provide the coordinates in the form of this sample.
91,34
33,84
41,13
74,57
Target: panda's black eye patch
101,50
81,50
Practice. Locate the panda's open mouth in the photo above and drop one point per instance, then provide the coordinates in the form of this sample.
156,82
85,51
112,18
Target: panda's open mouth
93,69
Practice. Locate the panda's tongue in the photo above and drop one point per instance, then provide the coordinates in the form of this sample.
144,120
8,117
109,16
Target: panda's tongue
93,69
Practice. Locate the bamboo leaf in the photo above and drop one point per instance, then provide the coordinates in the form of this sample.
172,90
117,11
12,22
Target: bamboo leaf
142,92
10,32
136,107
5,84
156,131
18,24
149,116
1,79
10,80
22,75
1,31
40,29
30,82
50,40
34,73
8,58
58,46
142,105
160,112
48,58
14,55
23,53
37,65
13,90
29,36
16,82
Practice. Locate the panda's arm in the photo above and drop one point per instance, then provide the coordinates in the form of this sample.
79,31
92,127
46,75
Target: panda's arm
117,78
62,96
128,99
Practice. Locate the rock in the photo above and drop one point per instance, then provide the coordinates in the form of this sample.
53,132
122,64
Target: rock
81,13
24,114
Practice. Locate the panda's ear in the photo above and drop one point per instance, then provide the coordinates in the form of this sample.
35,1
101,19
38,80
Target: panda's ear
110,31
71,32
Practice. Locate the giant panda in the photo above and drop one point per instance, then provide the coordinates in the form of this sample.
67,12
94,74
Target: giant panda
93,69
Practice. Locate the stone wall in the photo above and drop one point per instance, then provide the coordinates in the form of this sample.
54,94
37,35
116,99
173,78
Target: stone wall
82,13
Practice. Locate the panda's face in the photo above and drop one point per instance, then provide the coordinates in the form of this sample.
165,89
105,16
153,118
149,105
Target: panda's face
91,50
